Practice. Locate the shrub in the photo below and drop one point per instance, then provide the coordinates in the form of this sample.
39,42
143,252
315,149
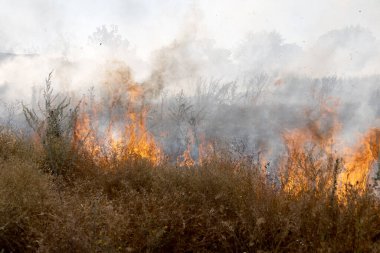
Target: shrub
55,129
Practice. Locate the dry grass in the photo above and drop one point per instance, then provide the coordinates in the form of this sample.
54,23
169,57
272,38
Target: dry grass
136,207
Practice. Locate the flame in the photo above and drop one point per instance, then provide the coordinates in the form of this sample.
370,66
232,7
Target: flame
310,159
126,135
187,160
360,160
358,164
198,152
306,164
138,142
84,135
133,141
206,150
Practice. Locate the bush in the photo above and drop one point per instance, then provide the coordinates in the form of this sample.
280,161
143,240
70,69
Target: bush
55,130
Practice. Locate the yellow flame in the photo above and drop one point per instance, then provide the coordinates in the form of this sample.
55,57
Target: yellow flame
360,160
120,141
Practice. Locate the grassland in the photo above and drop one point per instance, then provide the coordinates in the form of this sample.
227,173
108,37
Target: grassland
134,206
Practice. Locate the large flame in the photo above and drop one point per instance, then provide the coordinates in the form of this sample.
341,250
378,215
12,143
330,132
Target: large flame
360,160
123,114
309,162
120,142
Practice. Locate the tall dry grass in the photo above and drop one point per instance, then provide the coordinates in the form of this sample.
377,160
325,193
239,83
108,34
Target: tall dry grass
133,206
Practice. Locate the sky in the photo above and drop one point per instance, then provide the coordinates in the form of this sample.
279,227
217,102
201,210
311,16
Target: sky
181,39
41,26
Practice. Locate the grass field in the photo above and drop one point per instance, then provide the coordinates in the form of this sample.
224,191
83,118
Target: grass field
135,206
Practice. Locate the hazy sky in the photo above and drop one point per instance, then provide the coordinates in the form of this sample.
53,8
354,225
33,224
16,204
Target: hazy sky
181,39
45,25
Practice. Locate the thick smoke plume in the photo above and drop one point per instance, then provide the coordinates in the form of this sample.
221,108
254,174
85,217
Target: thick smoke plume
192,93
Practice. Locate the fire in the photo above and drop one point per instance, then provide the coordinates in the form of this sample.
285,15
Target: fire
85,136
126,135
310,159
187,160
139,142
360,160
198,151
310,163
120,142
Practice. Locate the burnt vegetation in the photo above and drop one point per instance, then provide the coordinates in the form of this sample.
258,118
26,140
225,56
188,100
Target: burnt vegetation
59,195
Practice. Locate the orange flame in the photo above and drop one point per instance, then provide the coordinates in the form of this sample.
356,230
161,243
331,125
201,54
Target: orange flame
202,149
310,159
126,136
310,154
360,160
133,141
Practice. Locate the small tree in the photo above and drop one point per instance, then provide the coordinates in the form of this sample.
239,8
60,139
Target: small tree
54,124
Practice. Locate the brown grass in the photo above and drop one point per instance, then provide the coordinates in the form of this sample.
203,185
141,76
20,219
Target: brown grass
135,207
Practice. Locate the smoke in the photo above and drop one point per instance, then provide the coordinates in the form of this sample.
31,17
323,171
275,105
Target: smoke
351,51
245,96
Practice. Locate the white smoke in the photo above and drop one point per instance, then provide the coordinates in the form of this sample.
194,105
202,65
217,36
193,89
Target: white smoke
251,90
